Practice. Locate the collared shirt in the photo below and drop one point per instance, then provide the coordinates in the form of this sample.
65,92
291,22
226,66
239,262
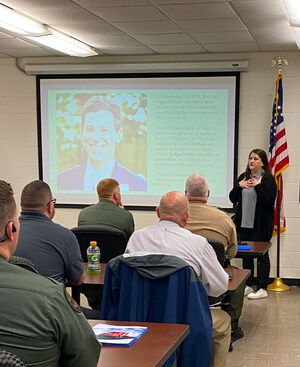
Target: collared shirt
92,176
211,222
107,213
169,238
51,247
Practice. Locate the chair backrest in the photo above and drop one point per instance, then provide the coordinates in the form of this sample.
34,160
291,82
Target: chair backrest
218,246
8,359
160,288
112,241
23,262
219,249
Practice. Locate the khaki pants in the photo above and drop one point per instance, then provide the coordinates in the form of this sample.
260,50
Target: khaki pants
221,337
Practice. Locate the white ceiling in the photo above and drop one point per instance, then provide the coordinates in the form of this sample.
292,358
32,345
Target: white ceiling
145,27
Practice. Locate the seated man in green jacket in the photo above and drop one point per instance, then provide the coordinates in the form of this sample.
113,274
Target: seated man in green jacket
40,322
109,210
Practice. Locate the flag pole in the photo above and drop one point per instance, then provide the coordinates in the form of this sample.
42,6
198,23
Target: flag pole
278,224
278,285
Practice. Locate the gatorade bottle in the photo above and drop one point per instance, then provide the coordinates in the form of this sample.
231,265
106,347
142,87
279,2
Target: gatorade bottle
93,255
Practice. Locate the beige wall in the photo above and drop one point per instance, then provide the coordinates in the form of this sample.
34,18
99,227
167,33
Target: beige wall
18,138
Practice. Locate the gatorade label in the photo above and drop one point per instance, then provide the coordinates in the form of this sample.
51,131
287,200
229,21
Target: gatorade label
94,258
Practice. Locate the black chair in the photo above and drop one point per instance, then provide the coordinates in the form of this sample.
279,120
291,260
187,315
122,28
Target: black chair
112,241
8,359
222,258
24,263
219,249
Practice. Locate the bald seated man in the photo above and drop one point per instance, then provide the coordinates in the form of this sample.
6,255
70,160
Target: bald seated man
51,247
171,238
109,210
39,323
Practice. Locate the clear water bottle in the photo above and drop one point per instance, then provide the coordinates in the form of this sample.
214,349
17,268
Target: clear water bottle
93,255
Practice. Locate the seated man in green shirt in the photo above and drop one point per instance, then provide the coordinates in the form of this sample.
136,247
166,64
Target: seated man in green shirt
40,322
109,210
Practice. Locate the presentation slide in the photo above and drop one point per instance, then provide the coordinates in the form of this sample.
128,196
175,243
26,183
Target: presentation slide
149,133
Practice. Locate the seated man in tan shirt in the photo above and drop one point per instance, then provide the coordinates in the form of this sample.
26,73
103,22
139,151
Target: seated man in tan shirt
211,222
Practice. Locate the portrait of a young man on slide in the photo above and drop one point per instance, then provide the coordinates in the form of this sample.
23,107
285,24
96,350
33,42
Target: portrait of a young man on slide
101,132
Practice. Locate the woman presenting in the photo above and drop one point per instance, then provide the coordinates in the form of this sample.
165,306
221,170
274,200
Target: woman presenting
255,194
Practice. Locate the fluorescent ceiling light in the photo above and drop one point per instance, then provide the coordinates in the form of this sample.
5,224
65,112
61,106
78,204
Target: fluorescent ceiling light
20,24
65,44
296,31
292,9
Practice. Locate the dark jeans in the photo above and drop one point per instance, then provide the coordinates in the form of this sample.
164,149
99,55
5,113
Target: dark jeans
233,303
263,262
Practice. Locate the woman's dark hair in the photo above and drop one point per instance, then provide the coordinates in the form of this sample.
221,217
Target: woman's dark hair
263,156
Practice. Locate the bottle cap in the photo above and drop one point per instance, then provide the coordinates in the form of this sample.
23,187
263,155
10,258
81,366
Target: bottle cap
93,243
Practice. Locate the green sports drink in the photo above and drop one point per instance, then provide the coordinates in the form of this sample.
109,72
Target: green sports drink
93,255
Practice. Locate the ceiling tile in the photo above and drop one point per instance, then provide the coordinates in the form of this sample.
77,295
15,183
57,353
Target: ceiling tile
211,25
3,55
225,37
177,49
165,39
129,13
90,32
166,26
4,35
183,2
129,50
95,3
13,43
113,41
31,52
155,27
261,8
41,4
262,23
231,47
273,36
64,16
278,46
198,11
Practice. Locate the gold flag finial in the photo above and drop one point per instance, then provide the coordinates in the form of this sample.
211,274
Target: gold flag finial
279,60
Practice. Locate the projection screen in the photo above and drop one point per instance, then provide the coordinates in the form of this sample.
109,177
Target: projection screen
148,131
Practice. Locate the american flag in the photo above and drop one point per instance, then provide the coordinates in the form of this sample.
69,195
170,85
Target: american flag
278,153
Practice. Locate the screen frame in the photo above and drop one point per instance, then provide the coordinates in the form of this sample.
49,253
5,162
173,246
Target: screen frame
234,74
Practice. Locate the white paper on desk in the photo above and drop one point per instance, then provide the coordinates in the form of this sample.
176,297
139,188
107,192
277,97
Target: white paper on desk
118,335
